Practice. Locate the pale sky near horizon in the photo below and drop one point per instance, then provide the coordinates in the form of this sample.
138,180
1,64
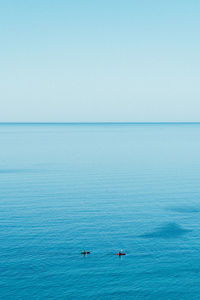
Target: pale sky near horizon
85,61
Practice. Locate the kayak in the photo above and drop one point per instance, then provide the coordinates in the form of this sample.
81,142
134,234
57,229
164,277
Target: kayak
85,253
119,254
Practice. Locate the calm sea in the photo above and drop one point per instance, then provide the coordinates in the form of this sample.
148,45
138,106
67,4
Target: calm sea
102,188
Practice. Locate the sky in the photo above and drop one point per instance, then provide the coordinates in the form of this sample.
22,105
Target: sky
99,61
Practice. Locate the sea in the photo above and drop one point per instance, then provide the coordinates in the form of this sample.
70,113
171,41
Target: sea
103,188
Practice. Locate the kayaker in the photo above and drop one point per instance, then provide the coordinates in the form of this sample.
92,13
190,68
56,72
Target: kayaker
85,252
120,253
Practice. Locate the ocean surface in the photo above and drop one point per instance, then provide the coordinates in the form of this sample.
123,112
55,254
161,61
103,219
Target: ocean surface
102,188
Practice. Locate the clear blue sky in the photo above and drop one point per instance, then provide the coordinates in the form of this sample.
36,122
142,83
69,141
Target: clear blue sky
103,60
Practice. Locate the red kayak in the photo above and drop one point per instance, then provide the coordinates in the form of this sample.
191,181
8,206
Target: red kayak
120,253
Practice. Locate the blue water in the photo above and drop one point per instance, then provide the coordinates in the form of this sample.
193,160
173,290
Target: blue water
102,188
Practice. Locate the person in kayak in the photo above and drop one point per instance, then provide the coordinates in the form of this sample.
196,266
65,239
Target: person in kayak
85,252
120,253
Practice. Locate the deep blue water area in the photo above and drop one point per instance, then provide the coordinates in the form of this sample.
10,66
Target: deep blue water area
102,188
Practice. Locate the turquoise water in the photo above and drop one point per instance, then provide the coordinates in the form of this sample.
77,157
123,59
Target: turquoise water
102,188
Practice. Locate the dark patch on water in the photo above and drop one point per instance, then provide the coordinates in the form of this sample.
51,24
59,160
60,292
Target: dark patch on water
166,231
185,209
